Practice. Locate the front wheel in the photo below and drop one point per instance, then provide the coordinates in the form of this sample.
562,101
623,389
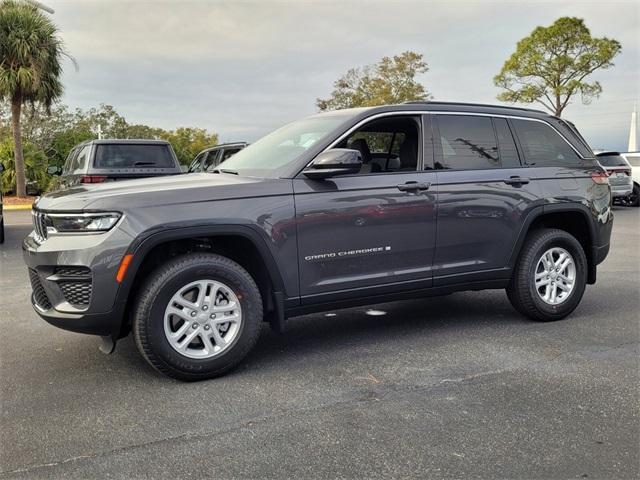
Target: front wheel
550,276
197,316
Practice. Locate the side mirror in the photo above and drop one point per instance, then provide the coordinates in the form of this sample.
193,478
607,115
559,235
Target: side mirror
337,161
54,170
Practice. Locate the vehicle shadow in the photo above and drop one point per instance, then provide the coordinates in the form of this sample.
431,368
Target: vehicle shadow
390,320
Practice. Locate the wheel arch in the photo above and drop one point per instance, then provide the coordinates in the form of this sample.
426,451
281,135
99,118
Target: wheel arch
573,218
228,239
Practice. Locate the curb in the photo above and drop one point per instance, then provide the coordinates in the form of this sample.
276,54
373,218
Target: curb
16,207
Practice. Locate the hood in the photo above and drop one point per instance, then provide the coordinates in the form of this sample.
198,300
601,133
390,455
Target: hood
165,190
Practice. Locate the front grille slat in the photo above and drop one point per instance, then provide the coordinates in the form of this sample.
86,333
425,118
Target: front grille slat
39,224
39,295
76,293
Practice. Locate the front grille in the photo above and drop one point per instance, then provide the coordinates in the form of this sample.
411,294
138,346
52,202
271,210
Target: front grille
76,293
39,224
39,295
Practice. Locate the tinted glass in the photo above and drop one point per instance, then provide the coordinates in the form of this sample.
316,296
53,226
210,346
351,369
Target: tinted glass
212,160
468,143
196,164
133,156
229,152
611,160
80,161
543,146
506,145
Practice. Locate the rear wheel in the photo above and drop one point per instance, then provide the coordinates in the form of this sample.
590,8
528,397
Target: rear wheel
633,199
197,316
550,276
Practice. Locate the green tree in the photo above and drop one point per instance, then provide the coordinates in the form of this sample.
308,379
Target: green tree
391,80
551,65
187,142
35,162
30,67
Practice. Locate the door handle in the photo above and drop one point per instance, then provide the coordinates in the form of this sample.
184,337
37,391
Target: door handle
516,181
413,186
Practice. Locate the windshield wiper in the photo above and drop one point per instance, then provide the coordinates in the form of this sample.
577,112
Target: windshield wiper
225,170
136,164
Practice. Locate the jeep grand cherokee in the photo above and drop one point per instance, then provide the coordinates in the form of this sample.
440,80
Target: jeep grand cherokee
345,208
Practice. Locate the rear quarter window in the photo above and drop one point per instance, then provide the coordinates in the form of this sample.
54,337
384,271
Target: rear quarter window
133,156
542,145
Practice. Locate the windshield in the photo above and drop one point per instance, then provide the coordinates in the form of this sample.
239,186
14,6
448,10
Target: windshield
271,154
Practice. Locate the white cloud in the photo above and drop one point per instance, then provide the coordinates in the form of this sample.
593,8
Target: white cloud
244,68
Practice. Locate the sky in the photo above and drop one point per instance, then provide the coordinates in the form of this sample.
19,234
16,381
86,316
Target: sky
244,68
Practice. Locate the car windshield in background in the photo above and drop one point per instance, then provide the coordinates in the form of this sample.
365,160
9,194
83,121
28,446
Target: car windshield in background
611,160
271,154
133,156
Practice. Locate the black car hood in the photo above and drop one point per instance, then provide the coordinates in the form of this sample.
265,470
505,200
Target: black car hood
166,190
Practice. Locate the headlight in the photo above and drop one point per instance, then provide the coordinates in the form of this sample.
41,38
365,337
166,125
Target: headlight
80,222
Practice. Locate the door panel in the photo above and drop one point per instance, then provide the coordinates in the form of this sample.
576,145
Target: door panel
363,230
481,204
479,219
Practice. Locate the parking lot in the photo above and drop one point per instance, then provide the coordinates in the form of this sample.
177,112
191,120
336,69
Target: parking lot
459,386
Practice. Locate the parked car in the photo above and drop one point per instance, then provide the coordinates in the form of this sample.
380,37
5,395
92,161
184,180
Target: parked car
210,158
633,200
339,209
98,161
619,172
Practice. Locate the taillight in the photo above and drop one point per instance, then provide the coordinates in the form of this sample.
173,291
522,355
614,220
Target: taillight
93,178
601,178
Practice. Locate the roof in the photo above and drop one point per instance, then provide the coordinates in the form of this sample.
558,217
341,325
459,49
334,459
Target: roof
480,105
126,141
428,106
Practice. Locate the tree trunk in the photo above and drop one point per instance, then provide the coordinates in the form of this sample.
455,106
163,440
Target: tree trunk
21,184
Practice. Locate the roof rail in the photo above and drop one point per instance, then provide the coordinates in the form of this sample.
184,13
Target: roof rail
488,105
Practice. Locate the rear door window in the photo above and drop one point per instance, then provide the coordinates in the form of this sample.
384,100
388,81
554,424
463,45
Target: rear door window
466,143
133,156
506,145
542,146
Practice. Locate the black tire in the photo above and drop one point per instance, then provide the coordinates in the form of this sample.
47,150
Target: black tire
162,284
2,230
521,290
633,199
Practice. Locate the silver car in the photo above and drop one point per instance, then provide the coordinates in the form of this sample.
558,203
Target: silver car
619,172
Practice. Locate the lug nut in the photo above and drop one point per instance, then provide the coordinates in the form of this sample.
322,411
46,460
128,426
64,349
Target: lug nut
194,326
193,314
212,316
207,327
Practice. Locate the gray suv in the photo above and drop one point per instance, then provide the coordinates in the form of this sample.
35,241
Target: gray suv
107,160
339,209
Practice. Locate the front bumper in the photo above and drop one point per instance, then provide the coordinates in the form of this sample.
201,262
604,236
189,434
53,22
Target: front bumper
73,278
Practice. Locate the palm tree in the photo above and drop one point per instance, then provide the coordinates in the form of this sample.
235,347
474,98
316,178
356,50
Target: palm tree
30,67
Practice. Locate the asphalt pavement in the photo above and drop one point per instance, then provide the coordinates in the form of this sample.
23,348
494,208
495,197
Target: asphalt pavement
453,387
